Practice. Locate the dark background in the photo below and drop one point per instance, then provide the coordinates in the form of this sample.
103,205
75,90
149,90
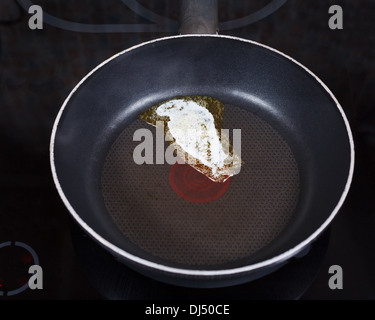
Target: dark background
38,69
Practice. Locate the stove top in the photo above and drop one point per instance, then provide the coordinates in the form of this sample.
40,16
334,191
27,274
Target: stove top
38,69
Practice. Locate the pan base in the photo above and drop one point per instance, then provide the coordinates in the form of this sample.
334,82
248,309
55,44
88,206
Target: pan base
257,206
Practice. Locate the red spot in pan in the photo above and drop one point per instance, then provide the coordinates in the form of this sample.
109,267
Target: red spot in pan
194,186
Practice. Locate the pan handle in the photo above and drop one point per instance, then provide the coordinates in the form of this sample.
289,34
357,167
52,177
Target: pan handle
198,17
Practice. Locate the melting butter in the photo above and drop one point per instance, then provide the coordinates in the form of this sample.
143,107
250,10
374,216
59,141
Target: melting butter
193,128
193,124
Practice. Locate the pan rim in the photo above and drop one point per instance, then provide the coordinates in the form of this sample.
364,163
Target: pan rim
191,272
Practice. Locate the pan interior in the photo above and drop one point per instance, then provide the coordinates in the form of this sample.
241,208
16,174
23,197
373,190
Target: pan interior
257,206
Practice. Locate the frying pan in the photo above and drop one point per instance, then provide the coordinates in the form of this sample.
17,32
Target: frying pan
297,151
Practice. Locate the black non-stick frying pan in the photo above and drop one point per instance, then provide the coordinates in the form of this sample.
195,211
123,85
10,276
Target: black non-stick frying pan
296,146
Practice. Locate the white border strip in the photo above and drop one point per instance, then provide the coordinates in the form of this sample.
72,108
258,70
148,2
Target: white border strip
161,267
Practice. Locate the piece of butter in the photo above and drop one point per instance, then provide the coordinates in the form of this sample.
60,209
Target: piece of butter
193,125
193,128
